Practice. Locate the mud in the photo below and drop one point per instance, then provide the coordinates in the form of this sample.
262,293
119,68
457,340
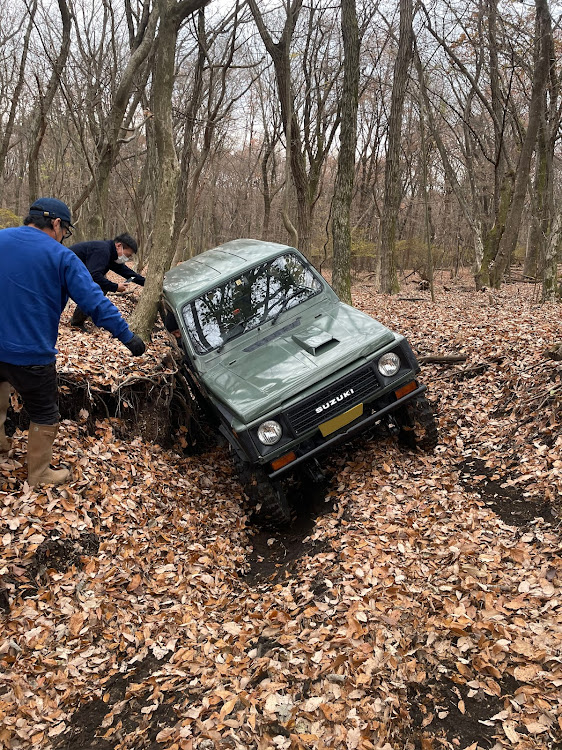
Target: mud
509,502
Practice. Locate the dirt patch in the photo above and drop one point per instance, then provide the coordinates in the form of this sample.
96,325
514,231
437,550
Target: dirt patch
274,552
507,501
57,553
89,722
61,553
441,708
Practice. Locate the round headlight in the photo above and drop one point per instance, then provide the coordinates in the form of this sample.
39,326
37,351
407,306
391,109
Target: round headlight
269,432
389,364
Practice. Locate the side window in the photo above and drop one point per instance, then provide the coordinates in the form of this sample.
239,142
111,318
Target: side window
170,322
171,325
209,317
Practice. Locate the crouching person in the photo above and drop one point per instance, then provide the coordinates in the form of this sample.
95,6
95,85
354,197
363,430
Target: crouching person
37,276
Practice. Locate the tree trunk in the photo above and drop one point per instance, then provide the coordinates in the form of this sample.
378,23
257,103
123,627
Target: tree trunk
144,316
542,63
266,188
493,236
550,279
427,218
392,178
540,246
538,230
162,250
497,107
292,166
343,191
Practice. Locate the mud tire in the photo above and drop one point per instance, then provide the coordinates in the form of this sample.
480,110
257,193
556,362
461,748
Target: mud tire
418,427
267,498
274,511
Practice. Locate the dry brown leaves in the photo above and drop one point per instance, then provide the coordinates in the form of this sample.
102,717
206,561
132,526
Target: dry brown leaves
419,583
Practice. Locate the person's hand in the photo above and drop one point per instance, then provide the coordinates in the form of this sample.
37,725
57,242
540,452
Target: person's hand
136,346
121,287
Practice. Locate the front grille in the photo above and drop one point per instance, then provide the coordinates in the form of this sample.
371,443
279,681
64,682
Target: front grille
362,382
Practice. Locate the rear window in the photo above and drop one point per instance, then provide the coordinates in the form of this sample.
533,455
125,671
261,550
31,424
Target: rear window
247,301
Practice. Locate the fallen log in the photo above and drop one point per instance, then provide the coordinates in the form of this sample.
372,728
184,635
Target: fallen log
445,359
520,279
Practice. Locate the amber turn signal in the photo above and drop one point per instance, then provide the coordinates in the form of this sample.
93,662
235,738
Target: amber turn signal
408,388
283,460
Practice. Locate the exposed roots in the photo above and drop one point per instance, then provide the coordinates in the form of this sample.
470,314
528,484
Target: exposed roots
161,408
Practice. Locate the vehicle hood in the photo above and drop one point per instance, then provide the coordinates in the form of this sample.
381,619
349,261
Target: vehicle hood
270,367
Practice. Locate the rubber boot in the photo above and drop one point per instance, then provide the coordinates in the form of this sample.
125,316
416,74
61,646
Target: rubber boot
39,454
5,390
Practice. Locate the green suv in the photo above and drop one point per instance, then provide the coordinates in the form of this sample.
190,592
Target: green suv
283,369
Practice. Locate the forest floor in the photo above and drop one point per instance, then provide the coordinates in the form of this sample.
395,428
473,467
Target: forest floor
416,603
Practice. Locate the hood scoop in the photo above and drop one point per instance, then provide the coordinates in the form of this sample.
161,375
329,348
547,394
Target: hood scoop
315,340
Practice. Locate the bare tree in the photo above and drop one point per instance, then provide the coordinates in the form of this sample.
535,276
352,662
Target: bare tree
485,211
112,130
210,100
310,136
550,291
14,96
540,77
38,118
241,99
541,258
271,182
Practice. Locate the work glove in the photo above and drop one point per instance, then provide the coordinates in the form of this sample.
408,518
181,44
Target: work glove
136,346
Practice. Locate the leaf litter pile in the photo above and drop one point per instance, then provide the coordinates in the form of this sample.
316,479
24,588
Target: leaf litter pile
424,610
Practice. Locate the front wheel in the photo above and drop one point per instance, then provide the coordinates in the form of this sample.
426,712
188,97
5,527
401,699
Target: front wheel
274,511
267,497
417,424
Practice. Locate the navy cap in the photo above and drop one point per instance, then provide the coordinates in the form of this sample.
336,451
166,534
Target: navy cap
51,207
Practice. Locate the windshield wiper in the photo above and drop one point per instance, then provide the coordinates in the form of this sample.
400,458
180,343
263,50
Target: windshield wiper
286,302
281,309
236,330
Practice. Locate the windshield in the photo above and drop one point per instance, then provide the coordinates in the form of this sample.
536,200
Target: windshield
248,301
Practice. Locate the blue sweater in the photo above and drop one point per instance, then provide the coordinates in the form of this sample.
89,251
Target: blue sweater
37,276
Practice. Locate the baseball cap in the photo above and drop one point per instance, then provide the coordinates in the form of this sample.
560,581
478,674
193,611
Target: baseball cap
51,207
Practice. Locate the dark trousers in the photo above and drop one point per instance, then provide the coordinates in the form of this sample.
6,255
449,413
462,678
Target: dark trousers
37,386
79,317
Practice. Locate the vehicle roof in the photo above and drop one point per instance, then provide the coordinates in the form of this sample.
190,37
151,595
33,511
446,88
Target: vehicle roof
211,268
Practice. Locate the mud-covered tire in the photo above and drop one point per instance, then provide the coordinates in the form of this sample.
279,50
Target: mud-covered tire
272,506
269,500
418,427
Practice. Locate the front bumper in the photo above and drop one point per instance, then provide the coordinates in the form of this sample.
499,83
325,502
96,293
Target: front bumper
346,433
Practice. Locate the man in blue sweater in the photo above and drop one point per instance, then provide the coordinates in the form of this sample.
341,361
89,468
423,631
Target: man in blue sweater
101,256
37,276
